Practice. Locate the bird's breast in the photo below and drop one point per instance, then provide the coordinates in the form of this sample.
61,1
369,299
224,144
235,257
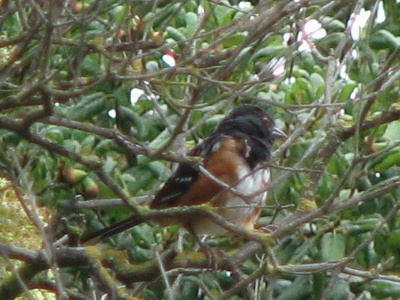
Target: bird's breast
240,205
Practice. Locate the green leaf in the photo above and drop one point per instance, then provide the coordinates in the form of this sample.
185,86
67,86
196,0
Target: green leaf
332,23
235,40
10,138
191,24
139,254
160,140
361,226
223,15
110,165
332,40
144,236
317,85
87,108
91,66
268,52
301,288
54,134
337,166
130,117
175,34
72,145
87,144
332,246
340,290
302,91
383,39
383,288
393,241
138,178
189,290
104,146
119,12
393,130
346,91
290,98
387,161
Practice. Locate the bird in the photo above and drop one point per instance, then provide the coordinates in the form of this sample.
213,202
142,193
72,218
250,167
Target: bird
231,174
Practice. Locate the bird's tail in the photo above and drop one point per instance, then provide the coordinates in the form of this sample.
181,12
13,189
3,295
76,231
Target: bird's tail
111,230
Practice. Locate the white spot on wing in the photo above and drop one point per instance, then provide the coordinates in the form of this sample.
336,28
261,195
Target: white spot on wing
168,197
216,147
184,179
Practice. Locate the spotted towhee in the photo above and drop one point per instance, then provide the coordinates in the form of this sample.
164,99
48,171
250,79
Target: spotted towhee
231,176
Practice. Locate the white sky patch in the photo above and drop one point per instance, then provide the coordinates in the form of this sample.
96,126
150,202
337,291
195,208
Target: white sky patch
244,4
341,112
275,68
150,113
343,68
278,66
354,54
287,36
306,45
311,30
135,95
200,10
290,80
380,14
112,114
358,22
343,72
354,94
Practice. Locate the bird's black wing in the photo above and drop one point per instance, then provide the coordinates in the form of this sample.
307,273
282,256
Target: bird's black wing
176,186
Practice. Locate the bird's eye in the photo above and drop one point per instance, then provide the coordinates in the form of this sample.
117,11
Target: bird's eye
266,119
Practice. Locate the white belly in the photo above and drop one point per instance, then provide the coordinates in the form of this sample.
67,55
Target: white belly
243,206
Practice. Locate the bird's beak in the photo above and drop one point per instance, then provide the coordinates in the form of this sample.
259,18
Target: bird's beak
278,134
